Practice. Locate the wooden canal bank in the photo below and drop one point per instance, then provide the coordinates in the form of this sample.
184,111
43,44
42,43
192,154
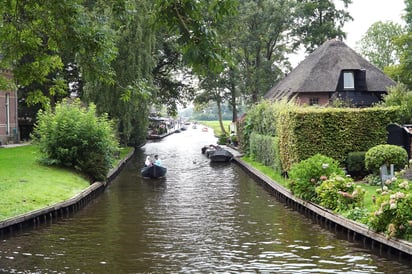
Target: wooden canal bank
377,242
63,209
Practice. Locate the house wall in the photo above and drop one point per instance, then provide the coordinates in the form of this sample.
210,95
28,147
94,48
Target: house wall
306,98
8,115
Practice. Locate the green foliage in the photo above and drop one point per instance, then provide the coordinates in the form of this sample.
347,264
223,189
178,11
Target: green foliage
394,215
223,139
265,118
43,39
377,43
306,175
355,163
265,149
193,24
340,193
320,21
385,155
73,136
400,96
333,132
359,214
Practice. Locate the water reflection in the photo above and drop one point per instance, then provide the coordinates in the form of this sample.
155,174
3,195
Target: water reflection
201,218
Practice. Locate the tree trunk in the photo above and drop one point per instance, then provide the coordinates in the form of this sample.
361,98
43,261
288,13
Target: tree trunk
219,113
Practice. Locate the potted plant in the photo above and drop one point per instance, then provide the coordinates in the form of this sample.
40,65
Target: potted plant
234,140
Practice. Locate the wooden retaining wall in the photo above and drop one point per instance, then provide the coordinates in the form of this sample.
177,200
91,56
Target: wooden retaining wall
354,231
65,209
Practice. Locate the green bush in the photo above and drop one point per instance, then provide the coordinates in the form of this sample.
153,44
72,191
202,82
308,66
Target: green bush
394,216
340,193
306,175
74,136
385,155
265,149
223,139
355,163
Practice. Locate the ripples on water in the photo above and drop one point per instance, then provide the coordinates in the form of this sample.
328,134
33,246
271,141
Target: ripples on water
202,218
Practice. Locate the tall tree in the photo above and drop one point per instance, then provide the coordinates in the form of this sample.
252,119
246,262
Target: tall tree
193,25
319,20
377,44
39,39
213,90
127,100
263,44
402,72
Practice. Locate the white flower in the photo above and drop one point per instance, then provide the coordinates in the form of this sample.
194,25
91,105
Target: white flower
325,166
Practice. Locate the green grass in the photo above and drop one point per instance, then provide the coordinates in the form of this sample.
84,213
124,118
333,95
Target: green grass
26,185
124,151
216,126
268,171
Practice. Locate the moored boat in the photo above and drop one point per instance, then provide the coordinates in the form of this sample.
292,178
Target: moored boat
220,155
153,171
217,153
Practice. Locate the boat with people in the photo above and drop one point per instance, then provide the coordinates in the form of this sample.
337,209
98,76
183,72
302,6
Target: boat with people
153,171
217,153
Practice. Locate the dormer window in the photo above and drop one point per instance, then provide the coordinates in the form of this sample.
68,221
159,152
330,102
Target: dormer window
348,80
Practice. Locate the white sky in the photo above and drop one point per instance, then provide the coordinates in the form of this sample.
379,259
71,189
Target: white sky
367,12
364,13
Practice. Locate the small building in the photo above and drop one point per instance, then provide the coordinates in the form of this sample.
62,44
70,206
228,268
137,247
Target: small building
333,71
8,112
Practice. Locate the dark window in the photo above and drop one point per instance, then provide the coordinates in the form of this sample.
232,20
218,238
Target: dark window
313,101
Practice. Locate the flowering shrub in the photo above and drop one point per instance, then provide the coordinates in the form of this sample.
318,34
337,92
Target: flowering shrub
394,209
306,175
394,215
340,193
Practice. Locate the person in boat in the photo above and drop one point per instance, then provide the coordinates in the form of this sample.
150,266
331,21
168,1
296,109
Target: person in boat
157,161
148,161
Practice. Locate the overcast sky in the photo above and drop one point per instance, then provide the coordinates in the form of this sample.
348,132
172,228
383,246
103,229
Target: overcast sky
365,13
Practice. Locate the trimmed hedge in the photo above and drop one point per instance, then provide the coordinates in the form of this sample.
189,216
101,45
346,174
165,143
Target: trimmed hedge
306,131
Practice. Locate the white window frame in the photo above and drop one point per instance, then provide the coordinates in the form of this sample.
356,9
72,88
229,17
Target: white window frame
348,80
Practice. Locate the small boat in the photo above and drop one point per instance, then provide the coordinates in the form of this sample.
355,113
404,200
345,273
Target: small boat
220,155
217,153
205,129
153,171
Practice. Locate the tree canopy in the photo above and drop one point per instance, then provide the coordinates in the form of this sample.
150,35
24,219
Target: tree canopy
126,56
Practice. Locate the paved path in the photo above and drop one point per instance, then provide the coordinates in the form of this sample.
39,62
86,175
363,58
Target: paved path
14,145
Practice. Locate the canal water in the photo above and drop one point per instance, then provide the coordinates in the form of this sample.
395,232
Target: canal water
202,218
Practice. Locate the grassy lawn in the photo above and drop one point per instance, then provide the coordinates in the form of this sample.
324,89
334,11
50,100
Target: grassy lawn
216,126
26,185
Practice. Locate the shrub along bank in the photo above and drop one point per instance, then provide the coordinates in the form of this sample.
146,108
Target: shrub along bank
312,145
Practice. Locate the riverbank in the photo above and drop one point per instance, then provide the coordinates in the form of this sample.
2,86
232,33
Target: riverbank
355,231
65,207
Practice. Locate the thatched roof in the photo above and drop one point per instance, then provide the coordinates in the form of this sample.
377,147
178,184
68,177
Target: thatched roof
321,70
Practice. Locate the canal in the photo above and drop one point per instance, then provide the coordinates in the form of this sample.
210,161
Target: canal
202,218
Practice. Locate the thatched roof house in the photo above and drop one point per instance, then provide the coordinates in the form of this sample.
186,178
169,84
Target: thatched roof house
333,71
